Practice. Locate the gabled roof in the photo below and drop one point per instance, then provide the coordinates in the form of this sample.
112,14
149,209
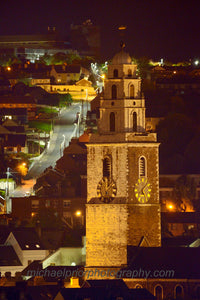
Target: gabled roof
196,243
75,147
8,256
178,241
105,283
181,217
101,293
9,123
27,239
29,292
4,233
67,69
182,260
4,130
65,272
35,266
84,82
13,111
17,99
13,126
14,139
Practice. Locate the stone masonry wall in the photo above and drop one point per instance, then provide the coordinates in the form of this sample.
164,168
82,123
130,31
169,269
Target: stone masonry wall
106,235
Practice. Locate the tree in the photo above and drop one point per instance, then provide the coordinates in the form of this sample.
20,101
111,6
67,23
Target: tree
65,99
46,59
20,89
59,58
143,65
48,218
192,155
184,193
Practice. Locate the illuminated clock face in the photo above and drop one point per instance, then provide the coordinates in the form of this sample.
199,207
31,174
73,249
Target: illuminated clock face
106,190
142,190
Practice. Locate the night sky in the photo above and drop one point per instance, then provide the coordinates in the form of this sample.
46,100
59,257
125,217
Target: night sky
156,29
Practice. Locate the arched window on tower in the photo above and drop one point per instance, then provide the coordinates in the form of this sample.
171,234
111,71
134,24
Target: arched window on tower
107,167
114,91
112,121
129,73
115,73
134,121
158,292
132,91
179,294
142,167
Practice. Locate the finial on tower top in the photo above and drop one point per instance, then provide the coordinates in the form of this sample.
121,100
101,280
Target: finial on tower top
122,45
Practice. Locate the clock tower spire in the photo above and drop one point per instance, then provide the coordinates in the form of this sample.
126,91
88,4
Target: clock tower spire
123,205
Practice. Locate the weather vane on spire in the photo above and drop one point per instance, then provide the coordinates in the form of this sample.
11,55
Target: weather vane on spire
122,29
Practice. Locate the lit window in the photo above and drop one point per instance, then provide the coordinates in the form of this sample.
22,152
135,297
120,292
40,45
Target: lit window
37,246
35,203
27,246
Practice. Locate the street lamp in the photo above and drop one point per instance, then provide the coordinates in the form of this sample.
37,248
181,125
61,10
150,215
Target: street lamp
22,169
78,213
80,216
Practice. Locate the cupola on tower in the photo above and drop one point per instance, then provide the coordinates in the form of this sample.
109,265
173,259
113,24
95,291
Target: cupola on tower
123,208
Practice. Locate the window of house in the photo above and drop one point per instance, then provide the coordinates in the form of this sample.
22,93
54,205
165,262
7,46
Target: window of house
66,203
35,203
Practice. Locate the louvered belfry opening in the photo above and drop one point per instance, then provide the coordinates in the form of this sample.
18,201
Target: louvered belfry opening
107,167
142,167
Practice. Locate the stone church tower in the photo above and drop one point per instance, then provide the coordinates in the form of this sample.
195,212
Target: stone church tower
123,206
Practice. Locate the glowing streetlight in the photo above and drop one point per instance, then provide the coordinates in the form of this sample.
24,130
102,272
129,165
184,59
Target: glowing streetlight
170,207
23,168
78,213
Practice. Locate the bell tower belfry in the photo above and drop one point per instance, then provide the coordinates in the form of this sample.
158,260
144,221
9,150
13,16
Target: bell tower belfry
123,108
123,207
